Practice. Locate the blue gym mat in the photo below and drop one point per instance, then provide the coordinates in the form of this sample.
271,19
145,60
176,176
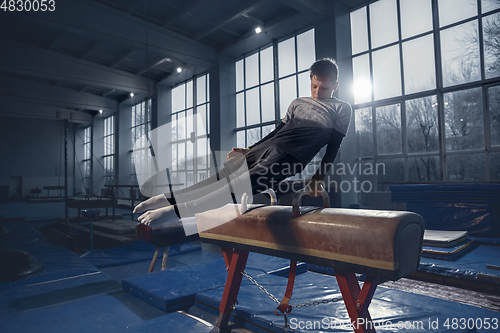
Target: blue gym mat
255,310
132,252
174,288
101,314
59,262
28,298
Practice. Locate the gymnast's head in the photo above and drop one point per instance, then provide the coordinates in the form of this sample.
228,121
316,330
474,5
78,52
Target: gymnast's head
324,76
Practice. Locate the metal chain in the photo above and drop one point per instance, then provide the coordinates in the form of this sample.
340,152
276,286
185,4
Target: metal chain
325,301
271,296
264,290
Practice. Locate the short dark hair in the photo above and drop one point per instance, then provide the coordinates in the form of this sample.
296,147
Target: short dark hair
326,68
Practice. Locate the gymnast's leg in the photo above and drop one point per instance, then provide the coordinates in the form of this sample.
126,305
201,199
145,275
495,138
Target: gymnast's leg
277,166
201,188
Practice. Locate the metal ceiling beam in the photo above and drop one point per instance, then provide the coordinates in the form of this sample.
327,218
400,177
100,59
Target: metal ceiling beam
121,57
24,60
105,24
188,5
108,93
256,20
267,26
133,6
153,65
27,109
92,46
315,8
45,94
53,43
236,12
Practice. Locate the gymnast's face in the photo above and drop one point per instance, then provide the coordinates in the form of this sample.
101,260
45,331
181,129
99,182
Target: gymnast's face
322,89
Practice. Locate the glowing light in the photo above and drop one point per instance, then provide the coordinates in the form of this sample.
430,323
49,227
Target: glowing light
131,94
258,30
100,111
179,69
362,90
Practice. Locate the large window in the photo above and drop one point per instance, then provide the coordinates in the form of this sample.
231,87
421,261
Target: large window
141,126
109,150
87,158
259,105
190,132
426,88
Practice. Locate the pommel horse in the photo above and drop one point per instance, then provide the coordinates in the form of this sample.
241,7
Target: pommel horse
381,244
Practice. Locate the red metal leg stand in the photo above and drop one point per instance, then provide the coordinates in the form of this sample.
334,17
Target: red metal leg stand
238,261
357,299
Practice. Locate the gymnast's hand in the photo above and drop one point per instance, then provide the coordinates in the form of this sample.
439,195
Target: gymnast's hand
159,216
158,201
235,151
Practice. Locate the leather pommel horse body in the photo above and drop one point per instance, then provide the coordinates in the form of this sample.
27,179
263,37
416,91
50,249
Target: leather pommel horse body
381,244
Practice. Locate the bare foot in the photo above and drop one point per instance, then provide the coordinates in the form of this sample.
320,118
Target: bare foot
159,216
158,201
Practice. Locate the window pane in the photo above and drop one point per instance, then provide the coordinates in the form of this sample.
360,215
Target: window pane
424,169
460,54
305,50
451,11
468,167
208,87
201,120
181,126
266,65
286,56
389,140
304,84
422,125
390,170
201,92
491,31
201,147
253,136
267,129
418,64
174,157
252,70
359,31
178,99
495,166
189,88
463,111
494,108
240,110
383,22
240,139
253,106
189,123
189,155
267,94
181,155
362,83
239,75
174,127
364,132
288,92
416,17
489,5
386,73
